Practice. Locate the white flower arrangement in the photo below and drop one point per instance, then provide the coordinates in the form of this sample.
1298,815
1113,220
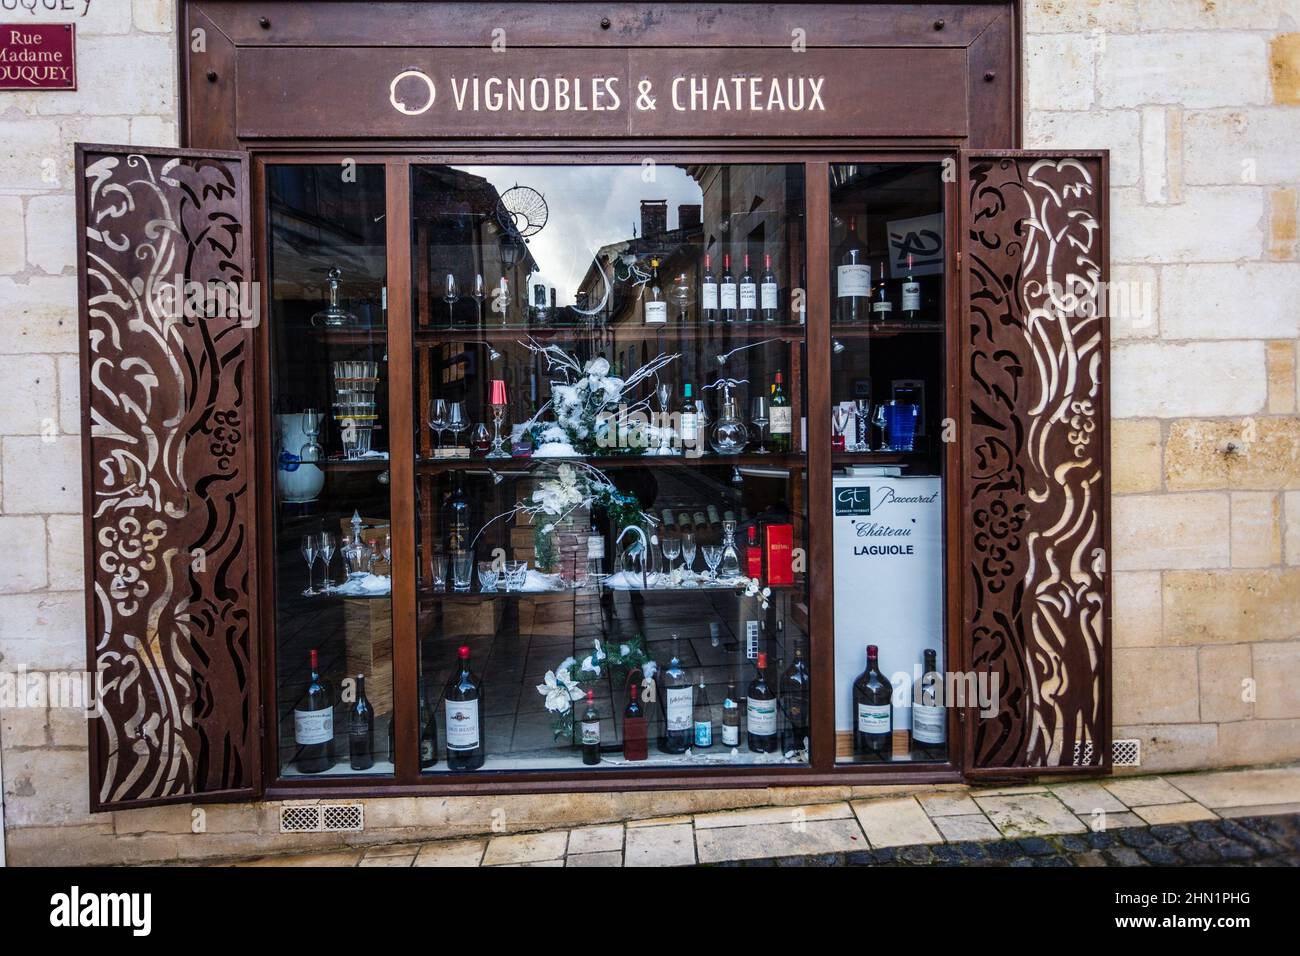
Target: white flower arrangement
587,403
752,587
563,686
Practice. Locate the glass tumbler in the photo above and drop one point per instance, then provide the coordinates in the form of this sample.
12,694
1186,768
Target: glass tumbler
462,569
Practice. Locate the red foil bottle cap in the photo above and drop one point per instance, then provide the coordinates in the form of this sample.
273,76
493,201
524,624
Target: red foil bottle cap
872,650
464,652
313,658
762,660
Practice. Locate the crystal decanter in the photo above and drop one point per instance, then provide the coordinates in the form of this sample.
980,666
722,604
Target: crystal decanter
728,436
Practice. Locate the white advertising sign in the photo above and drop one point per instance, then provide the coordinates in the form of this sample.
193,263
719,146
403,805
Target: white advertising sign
888,582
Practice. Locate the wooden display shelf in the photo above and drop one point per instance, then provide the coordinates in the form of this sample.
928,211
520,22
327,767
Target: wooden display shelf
884,330
507,466
375,335
722,332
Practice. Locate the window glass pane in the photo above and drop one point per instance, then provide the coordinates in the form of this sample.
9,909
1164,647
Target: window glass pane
887,389
609,401
330,401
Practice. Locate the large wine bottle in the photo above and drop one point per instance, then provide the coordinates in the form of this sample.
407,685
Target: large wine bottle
634,726
463,700
929,718
796,686
313,723
852,277
760,711
678,706
873,714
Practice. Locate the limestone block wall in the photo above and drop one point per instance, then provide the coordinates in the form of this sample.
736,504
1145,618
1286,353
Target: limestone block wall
1199,101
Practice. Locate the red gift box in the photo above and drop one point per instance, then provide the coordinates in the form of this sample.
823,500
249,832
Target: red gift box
778,540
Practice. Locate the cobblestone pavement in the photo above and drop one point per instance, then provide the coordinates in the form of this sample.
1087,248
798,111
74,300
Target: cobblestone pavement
1246,841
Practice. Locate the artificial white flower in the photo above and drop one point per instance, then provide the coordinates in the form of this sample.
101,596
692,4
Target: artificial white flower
590,666
557,695
649,669
597,367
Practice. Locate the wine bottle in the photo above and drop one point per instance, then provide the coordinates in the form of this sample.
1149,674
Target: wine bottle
656,306
701,524
703,717
361,729
873,713
670,521
796,696
882,310
689,421
313,723
852,277
768,292
709,291
731,719
591,732
678,709
911,294
727,292
929,719
753,556
428,737
760,711
456,519
748,294
780,420
462,699
595,548
634,728
715,522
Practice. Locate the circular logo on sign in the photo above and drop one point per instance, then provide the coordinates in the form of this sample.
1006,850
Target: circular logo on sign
414,78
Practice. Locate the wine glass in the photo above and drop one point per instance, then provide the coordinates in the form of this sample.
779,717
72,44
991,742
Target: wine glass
326,545
480,442
671,543
879,422
438,421
712,557
479,295
688,550
311,421
759,415
457,422
862,412
679,293
309,554
663,395
451,296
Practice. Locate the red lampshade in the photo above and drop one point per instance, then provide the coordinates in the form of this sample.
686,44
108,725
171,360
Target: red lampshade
498,392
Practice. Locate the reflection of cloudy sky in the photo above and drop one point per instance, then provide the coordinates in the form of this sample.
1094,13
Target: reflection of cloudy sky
588,207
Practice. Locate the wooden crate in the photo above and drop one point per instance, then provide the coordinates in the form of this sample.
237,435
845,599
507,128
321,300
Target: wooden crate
368,639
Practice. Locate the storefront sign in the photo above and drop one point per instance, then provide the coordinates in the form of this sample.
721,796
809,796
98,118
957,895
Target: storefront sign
38,56
622,92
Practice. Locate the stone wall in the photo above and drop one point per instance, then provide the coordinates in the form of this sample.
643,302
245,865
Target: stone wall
1197,100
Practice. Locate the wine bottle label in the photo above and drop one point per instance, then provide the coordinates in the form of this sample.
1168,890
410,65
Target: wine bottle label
882,305
462,724
591,731
709,295
426,750
313,726
690,428
595,546
731,735
678,707
779,419
760,715
911,296
703,733
853,280
769,295
751,640
656,313
727,293
927,723
873,718
748,295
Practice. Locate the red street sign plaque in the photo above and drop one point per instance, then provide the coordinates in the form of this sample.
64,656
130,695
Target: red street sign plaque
38,56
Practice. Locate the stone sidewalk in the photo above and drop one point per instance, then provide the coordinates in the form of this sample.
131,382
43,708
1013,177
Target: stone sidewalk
1221,816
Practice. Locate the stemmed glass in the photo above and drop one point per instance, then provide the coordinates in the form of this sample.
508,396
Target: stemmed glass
758,414
688,553
438,421
663,395
326,546
862,412
712,557
388,553
451,296
679,293
879,422
671,543
309,554
311,421
457,422
479,295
